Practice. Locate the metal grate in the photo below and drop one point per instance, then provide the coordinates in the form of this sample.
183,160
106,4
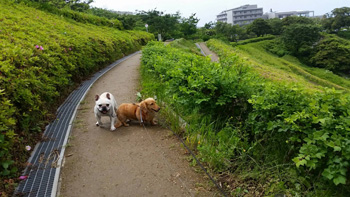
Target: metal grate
46,159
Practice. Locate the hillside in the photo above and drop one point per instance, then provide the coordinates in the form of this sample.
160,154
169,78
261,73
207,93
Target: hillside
289,68
43,57
262,127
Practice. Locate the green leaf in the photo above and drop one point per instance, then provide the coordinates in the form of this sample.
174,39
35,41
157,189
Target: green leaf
339,180
337,148
299,162
326,173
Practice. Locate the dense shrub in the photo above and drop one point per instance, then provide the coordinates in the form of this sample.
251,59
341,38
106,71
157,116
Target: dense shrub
43,57
75,15
241,122
332,53
316,125
299,38
252,40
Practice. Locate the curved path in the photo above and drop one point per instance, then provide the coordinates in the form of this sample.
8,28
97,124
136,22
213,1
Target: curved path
130,161
207,51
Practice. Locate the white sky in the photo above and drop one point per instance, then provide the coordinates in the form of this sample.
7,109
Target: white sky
206,10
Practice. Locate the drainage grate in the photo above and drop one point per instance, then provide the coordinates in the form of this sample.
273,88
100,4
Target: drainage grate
46,159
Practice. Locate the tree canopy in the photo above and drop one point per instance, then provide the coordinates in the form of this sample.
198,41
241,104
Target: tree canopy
260,27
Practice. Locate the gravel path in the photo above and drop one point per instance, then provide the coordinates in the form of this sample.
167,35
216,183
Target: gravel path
130,161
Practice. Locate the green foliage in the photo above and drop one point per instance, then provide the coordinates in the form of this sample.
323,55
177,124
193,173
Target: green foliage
225,31
292,20
43,57
160,23
240,122
188,25
260,27
298,38
7,135
340,18
128,21
344,34
185,45
75,15
288,69
316,126
332,54
78,5
276,26
252,40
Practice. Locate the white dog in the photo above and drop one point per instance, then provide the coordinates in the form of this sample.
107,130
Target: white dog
106,105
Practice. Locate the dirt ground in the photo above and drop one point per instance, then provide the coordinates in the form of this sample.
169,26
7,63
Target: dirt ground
213,56
130,161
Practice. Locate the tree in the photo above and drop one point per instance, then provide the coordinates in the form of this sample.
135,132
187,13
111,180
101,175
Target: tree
299,38
332,53
291,20
276,26
189,25
341,18
228,32
78,5
209,25
260,27
159,23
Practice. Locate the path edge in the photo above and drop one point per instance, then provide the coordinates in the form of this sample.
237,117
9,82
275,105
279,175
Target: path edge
56,183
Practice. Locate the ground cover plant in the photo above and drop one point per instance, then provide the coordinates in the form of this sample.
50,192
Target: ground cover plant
288,68
263,136
43,57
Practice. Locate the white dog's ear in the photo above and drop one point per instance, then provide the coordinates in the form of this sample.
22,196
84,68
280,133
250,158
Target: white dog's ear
108,96
97,97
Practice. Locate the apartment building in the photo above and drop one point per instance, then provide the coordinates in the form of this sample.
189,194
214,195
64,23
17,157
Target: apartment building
242,15
282,15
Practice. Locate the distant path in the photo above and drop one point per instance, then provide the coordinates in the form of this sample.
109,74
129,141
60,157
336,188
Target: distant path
207,52
130,161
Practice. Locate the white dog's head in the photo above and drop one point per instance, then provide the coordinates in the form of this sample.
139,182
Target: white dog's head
104,103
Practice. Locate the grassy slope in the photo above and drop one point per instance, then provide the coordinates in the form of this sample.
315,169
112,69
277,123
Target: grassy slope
186,45
33,81
289,69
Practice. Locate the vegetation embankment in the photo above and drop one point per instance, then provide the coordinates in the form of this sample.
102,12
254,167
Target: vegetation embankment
43,57
263,136
286,68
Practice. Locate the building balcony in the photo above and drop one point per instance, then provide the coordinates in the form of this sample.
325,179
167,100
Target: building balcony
245,19
245,14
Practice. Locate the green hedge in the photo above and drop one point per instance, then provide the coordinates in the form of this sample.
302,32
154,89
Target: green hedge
242,123
75,15
252,40
43,57
315,123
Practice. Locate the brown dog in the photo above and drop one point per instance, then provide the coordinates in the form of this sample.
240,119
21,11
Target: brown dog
143,112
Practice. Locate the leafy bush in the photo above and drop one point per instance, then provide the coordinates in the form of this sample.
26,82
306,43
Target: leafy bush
298,38
332,54
185,45
316,125
43,57
252,40
240,122
75,15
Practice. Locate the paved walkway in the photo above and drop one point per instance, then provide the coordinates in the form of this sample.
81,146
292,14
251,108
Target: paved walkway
130,161
207,52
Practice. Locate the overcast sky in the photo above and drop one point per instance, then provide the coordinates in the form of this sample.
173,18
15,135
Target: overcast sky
206,10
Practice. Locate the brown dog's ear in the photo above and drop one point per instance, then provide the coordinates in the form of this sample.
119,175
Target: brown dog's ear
143,106
97,97
108,96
